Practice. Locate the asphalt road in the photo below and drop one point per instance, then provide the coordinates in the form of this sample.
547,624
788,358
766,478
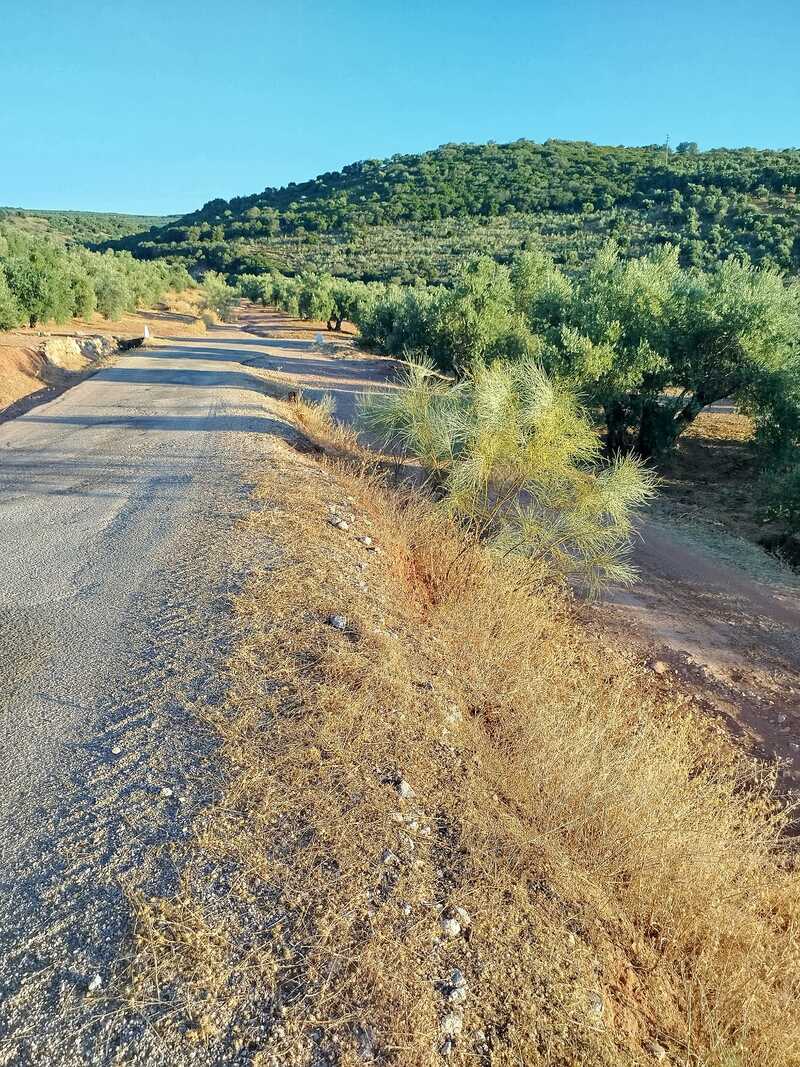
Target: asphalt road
118,554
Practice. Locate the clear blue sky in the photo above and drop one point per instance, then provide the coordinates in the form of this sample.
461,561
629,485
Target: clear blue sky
159,105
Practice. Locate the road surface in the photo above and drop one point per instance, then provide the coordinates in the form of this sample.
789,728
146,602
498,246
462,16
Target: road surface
118,507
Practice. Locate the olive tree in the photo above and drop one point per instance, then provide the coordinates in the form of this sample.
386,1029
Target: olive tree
653,344
10,312
218,296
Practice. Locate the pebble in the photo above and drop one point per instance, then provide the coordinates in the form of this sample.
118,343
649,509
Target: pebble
452,1025
660,667
658,1052
116,751
405,790
366,541
338,622
447,1046
166,791
457,996
457,979
595,1005
451,927
95,984
463,916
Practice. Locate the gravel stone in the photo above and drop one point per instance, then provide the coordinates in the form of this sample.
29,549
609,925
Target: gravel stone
452,1025
451,927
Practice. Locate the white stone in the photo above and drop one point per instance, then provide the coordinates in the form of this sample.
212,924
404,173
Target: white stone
452,1025
451,927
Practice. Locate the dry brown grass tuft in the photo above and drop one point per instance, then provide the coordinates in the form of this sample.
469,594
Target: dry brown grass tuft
623,883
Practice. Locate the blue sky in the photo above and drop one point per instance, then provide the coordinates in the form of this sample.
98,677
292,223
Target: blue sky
160,105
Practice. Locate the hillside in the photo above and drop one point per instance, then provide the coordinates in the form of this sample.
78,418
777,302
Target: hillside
82,227
416,215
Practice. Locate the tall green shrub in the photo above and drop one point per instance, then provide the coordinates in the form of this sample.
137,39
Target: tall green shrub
517,462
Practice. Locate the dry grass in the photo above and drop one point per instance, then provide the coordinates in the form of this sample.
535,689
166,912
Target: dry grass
625,887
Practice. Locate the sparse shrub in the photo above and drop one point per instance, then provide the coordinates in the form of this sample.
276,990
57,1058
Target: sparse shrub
518,464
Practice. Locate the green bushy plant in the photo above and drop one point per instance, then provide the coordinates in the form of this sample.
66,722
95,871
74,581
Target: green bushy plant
782,497
10,312
517,462
218,296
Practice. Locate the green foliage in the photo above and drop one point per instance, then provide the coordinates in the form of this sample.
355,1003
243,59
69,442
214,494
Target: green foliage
518,463
78,226
218,296
648,342
782,497
83,296
10,311
416,216
41,281
114,295
476,314
315,296
652,343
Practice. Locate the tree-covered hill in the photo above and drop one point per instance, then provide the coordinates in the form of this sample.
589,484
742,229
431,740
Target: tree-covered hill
428,209
79,227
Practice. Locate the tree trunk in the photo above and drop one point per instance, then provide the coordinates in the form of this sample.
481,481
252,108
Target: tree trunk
660,427
616,428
